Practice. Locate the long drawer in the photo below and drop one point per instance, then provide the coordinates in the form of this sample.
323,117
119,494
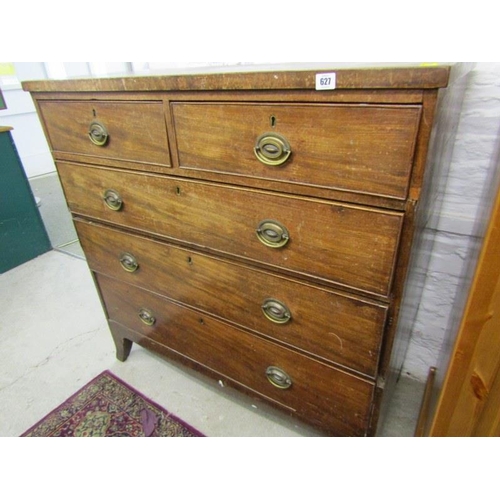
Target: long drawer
360,148
132,131
326,241
327,324
325,396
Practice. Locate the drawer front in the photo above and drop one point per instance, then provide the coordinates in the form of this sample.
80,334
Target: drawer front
324,396
326,241
136,131
335,327
365,149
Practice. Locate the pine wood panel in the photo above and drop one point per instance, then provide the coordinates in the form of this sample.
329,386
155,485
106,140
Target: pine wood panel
470,397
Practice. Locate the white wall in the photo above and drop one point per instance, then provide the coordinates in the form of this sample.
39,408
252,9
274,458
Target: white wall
21,115
473,159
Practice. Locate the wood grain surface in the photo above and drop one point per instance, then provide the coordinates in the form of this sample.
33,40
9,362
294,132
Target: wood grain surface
325,396
329,242
137,130
366,149
364,78
332,326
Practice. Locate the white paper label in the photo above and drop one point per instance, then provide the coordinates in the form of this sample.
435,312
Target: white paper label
325,81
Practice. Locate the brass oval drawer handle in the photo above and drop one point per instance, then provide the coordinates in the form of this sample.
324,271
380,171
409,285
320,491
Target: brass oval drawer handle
272,149
278,377
147,317
113,199
98,134
272,233
276,311
128,262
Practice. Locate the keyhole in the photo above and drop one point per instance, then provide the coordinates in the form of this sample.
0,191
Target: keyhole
178,191
94,113
272,121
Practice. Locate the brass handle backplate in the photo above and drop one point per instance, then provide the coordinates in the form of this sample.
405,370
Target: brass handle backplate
113,199
98,134
272,149
147,317
272,233
278,377
128,262
276,311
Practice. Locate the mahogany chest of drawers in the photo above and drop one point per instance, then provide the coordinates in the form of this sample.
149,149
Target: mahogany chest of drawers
252,225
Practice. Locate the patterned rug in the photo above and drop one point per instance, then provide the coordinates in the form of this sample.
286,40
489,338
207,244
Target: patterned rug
108,407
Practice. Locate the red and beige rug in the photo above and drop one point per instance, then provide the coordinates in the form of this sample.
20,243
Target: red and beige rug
109,407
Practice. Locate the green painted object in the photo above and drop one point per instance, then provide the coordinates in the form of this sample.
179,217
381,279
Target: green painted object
22,233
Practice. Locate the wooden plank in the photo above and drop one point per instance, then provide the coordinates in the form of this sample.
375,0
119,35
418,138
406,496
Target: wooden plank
369,78
470,398
364,96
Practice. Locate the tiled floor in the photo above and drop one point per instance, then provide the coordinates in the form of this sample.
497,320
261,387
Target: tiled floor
54,338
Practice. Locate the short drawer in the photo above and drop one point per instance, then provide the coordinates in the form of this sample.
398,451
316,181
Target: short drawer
132,131
324,396
365,149
324,241
335,327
